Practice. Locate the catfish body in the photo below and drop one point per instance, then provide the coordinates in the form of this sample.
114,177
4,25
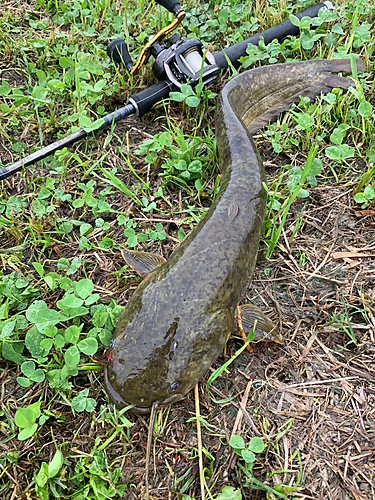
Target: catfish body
178,320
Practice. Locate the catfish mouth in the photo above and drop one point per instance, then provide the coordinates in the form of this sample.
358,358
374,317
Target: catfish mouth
120,403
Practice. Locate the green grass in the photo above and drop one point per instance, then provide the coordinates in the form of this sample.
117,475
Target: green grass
145,183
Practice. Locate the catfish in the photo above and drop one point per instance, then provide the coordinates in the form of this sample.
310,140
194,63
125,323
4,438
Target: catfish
180,317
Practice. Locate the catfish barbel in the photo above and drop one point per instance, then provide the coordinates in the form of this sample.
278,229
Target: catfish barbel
179,318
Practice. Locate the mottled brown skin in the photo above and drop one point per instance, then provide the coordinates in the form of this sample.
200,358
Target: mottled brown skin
180,317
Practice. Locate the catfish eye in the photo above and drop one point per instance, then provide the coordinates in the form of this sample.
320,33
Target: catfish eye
173,386
111,345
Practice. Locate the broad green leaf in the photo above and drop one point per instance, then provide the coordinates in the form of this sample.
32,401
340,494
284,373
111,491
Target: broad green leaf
74,266
369,193
41,316
129,232
28,368
92,299
294,20
24,382
70,301
38,268
55,465
186,89
78,203
27,432
316,167
46,344
42,477
229,493
248,456
177,96
50,282
34,309
73,312
35,407
25,417
79,403
88,346
105,337
65,62
359,198
305,23
59,341
72,356
132,241
339,153
10,352
337,28
223,16
47,317
181,234
305,121
84,288
181,165
50,331
195,166
72,334
7,329
237,442
90,404
5,88
192,101
365,109
38,376
337,136
62,264
256,445
85,229
303,193
84,121
330,40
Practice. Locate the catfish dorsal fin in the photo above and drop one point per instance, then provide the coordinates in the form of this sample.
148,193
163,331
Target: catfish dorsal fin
142,262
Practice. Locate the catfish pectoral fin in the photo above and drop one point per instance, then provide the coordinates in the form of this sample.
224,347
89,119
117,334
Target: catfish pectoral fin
265,330
142,262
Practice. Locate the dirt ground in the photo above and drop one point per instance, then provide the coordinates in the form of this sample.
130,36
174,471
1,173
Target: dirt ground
312,400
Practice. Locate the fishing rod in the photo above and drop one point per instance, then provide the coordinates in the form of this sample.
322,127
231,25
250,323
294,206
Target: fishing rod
177,61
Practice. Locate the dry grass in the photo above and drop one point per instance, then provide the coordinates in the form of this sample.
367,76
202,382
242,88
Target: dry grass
312,400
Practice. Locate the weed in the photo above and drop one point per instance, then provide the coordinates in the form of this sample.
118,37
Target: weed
26,417
367,197
44,478
63,221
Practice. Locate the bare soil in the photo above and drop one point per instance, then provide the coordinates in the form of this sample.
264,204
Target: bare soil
312,400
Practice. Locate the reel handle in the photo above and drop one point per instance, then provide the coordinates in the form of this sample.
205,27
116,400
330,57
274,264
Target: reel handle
118,52
172,5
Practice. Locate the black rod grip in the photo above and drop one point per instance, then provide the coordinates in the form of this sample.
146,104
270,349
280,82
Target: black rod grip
146,99
278,32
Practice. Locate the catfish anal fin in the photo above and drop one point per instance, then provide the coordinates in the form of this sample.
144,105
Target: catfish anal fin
265,330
